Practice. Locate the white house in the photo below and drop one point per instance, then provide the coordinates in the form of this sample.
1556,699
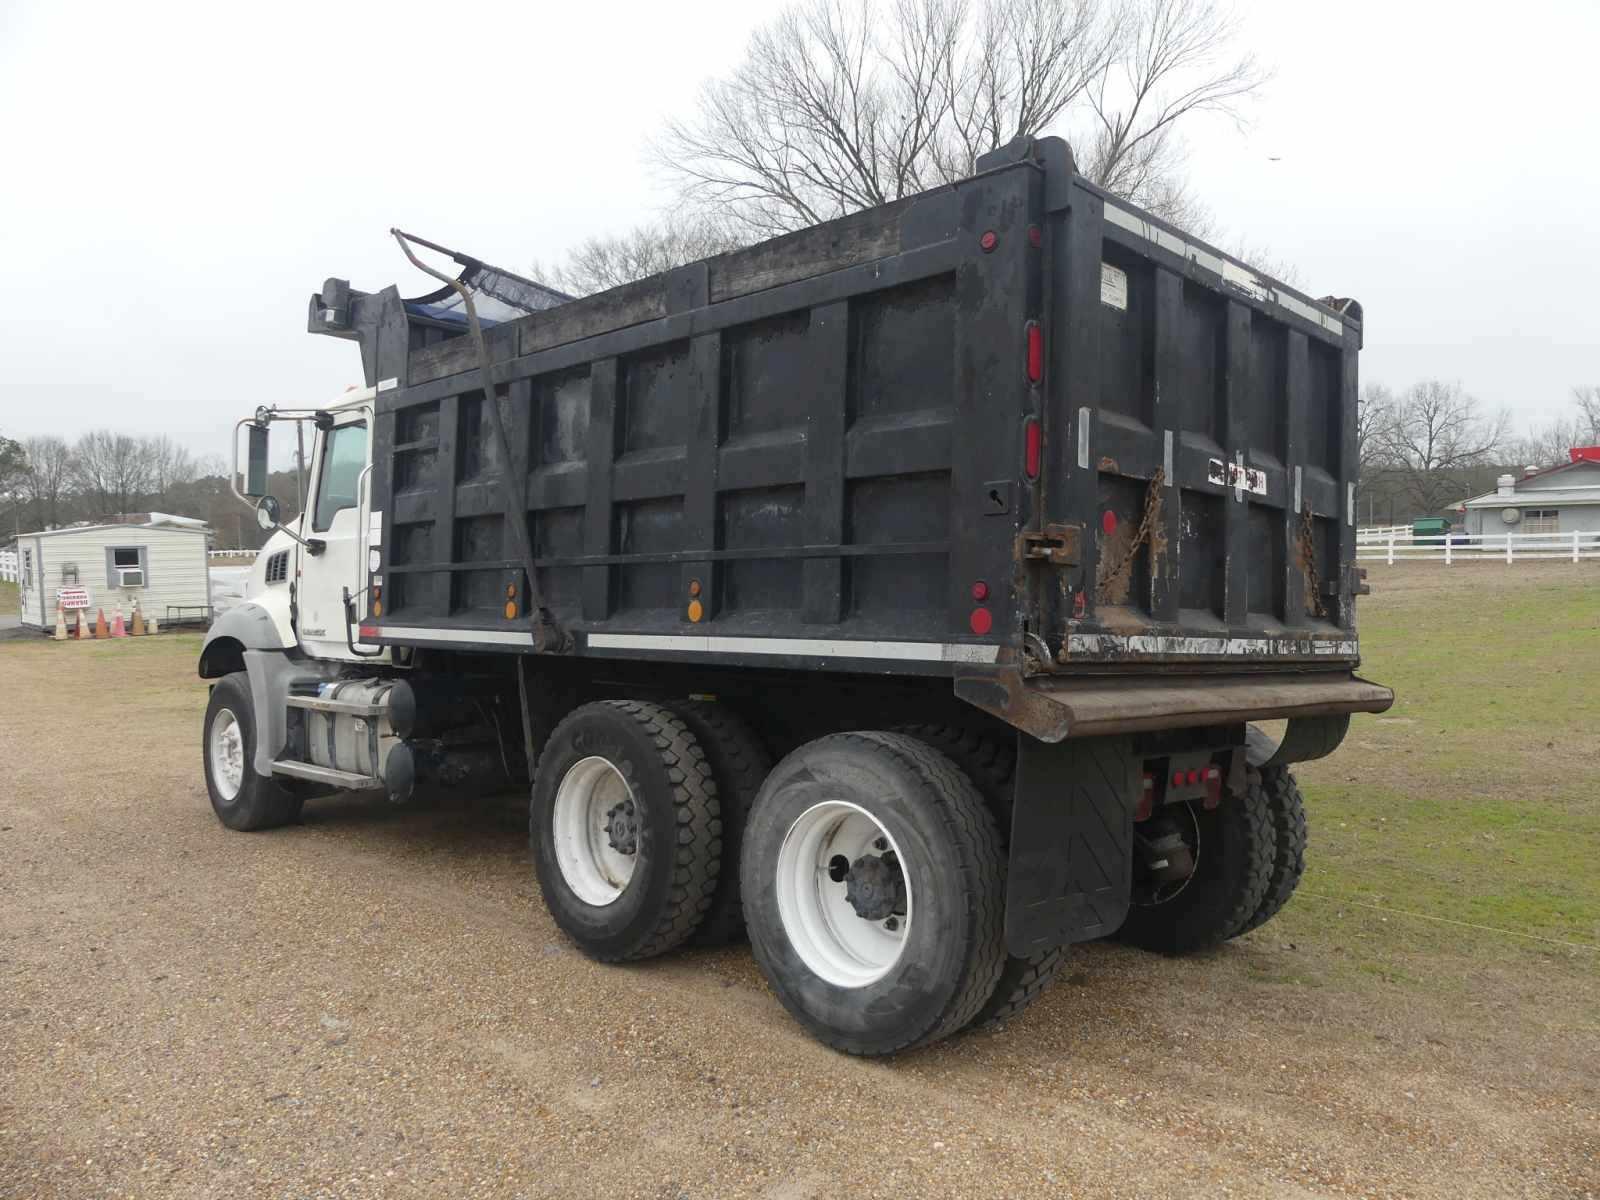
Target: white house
160,563
1562,499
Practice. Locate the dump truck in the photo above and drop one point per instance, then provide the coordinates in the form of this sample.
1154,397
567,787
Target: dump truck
908,594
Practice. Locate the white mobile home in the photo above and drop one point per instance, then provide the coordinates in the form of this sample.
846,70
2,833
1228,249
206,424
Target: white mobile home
161,564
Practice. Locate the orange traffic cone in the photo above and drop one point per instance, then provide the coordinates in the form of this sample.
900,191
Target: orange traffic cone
83,623
61,624
118,628
137,626
100,630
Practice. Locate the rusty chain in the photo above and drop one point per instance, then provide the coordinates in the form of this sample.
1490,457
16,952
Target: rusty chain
1308,558
1152,510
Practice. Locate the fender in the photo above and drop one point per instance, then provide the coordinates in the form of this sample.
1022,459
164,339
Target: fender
249,626
249,638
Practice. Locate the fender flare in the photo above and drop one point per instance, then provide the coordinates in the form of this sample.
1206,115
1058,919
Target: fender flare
247,626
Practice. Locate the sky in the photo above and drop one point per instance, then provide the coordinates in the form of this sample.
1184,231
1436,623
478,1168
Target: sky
176,179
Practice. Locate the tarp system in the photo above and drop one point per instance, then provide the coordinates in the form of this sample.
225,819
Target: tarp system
498,294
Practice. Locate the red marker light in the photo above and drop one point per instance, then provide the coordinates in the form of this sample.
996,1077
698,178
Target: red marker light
1035,352
1177,779
982,621
980,591
1108,522
989,241
1194,777
1033,445
1035,237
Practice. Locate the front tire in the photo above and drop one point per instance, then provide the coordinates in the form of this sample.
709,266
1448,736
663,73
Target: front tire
873,879
241,798
626,829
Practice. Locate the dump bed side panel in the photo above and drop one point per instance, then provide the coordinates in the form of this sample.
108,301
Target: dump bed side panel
1201,425
761,459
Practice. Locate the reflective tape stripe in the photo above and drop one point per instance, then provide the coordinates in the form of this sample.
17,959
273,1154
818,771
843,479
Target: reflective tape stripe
810,647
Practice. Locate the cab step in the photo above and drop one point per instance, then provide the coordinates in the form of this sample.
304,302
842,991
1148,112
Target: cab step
344,780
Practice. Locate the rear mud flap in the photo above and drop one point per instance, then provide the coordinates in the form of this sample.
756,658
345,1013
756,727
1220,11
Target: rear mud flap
1071,841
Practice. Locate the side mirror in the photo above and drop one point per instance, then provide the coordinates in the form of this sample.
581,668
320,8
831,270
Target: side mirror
268,512
255,478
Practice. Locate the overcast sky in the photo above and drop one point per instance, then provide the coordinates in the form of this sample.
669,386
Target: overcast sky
179,178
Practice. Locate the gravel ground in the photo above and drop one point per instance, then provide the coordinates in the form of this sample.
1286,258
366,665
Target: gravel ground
374,1003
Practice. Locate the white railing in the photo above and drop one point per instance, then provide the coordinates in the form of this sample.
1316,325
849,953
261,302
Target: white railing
1382,533
1489,547
250,554
8,566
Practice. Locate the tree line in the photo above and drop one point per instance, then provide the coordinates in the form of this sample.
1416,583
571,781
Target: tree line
1424,449
105,474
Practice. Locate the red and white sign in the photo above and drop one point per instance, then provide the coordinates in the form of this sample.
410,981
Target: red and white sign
73,597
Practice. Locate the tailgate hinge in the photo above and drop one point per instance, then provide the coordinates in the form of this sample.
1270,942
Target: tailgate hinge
1055,544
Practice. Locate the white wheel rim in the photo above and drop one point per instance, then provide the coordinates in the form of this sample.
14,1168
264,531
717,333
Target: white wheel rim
593,867
227,754
841,947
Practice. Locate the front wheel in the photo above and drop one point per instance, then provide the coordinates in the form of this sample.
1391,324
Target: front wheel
240,797
873,879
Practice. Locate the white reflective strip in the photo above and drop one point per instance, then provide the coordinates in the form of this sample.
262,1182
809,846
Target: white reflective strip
1232,273
1297,491
389,384
1083,437
1166,459
812,647
499,637
1103,643
1350,503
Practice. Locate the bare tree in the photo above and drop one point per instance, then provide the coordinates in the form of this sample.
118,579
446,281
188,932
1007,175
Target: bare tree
50,468
1545,445
839,107
1438,434
1175,59
168,465
1375,413
1587,399
601,263
112,469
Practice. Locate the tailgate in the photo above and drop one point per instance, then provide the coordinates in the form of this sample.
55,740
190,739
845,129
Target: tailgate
1200,422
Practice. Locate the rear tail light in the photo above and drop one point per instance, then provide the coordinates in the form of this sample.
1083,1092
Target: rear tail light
1035,352
1147,799
1213,787
1033,446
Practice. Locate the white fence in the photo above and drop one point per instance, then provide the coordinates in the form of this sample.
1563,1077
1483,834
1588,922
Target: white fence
250,554
1382,533
8,566
1398,545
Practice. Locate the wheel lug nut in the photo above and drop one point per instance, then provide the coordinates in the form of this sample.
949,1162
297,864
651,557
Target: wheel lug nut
892,924
881,844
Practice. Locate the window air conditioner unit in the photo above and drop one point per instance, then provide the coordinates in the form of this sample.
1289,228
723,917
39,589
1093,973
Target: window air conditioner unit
130,577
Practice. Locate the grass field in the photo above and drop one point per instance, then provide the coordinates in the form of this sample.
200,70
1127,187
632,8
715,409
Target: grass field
9,598
1474,799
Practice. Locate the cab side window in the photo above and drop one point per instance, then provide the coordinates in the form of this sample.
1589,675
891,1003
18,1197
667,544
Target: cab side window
344,457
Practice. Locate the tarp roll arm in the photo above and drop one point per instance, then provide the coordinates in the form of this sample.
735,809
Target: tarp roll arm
547,636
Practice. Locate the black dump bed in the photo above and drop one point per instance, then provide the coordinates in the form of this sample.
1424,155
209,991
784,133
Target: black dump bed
1011,430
